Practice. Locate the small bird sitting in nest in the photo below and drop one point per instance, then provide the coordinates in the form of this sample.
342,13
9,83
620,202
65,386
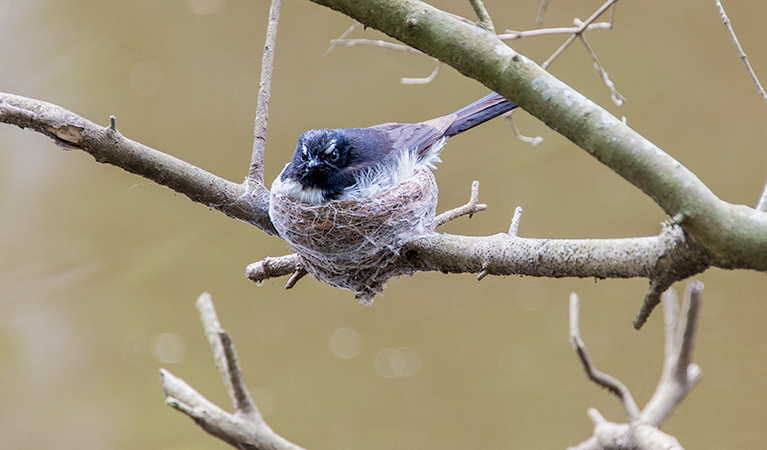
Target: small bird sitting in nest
351,197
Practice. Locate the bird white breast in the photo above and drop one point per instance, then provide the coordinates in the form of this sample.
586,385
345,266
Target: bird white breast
298,191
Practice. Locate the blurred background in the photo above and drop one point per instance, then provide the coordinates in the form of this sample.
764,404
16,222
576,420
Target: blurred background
99,269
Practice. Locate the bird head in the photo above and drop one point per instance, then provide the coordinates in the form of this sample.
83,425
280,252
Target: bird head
319,155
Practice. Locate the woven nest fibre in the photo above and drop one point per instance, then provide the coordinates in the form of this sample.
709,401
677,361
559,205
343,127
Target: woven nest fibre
351,244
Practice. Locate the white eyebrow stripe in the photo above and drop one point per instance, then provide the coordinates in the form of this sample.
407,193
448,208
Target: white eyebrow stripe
304,149
331,147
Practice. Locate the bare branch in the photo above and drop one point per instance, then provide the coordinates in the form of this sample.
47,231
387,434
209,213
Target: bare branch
341,38
642,429
483,18
107,145
617,98
245,428
374,43
502,254
528,140
511,34
272,267
741,53
299,273
541,13
680,374
515,220
426,80
761,205
256,170
602,379
581,28
473,206
388,46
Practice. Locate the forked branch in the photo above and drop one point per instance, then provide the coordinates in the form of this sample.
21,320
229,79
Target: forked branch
245,427
679,376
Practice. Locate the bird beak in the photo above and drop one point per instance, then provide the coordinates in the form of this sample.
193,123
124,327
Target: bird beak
313,163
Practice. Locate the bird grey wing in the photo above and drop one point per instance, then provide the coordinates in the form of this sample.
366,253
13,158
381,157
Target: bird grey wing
415,136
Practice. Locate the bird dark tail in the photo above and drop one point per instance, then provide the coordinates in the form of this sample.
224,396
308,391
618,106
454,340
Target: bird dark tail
479,112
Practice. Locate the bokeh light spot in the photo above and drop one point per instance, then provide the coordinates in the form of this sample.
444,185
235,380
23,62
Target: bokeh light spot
169,348
345,343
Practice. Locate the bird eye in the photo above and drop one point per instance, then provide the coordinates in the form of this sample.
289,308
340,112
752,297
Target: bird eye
333,156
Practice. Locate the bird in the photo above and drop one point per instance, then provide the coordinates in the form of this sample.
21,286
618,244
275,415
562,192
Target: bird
355,163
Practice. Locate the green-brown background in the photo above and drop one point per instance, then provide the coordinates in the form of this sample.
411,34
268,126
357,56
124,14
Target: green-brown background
99,269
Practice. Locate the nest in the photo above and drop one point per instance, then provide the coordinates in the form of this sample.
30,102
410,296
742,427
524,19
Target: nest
353,244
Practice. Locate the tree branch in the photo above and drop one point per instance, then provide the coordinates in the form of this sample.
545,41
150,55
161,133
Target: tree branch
680,375
469,209
245,428
600,378
256,170
107,145
735,236
705,231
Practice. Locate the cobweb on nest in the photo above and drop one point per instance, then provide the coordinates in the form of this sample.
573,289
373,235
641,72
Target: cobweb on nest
352,244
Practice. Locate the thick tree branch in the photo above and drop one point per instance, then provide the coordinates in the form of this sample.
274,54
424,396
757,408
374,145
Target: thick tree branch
107,145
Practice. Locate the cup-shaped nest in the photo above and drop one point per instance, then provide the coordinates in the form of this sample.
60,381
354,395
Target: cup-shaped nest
353,244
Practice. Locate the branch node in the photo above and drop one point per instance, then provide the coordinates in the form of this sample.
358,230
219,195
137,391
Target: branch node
473,206
272,267
483,18
297,275
112,124
659,283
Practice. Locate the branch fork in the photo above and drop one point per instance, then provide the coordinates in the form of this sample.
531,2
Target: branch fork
678,378
245,427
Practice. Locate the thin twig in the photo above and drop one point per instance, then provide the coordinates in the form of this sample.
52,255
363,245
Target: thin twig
245,428
483,18
617,98
297,275
741,53
511,34
602,379
256,170
241,399
680,375
761,205
425,80
340,38
374,43
485,272
515,220
526,139
541,13
473,206
272,267
583,26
